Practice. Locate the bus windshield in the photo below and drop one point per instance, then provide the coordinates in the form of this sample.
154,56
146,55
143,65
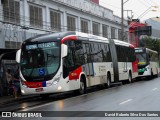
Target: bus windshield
141,59
40,60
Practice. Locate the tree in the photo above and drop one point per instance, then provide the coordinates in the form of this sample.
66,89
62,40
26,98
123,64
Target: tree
150,43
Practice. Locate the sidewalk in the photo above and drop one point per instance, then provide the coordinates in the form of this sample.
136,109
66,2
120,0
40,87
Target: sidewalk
11,99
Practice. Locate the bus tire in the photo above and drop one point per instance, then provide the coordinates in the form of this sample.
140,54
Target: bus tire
157,74
108,81
82,89
138,78
151,76
130,77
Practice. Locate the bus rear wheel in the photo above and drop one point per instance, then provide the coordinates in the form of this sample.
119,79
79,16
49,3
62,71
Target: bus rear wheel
82,89
157,74
108,81
130,77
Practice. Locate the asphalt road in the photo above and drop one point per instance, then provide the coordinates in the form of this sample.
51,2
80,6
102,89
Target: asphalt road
137,96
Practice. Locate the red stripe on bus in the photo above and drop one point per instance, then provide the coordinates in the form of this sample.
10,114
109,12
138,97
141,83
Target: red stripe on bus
33,84
74,75
135,66
68,38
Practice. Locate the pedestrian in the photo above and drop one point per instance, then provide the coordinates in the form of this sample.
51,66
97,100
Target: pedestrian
16,80
11,87
8,76
1,89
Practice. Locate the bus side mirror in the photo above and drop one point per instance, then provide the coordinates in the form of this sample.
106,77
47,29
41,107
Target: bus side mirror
18,54
64,50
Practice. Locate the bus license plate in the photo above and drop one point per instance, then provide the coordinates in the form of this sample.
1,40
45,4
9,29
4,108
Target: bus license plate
39,89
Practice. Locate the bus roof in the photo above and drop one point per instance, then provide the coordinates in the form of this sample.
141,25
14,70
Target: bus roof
102,39
60,35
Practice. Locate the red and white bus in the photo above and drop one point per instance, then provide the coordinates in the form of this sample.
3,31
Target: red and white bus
67,61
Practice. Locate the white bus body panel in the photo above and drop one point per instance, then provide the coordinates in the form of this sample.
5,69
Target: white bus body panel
154,67
124,68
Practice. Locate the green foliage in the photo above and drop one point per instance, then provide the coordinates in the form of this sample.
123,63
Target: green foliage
150,43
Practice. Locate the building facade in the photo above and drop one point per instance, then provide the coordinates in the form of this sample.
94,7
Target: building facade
21,19
155,23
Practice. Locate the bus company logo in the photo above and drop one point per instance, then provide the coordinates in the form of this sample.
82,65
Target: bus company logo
6,114
15,114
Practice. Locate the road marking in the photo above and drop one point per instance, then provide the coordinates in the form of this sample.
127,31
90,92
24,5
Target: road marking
28,109
154,89
125,101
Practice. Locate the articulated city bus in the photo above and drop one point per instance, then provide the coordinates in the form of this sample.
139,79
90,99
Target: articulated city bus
147,62
67,61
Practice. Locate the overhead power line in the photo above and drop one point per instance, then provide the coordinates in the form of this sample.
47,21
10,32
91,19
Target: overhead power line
110,5
143,3
148,2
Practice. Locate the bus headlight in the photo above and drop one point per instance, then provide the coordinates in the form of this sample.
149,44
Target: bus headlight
59,88
22,91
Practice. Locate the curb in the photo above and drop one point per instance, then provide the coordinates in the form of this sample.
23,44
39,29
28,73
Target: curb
12,100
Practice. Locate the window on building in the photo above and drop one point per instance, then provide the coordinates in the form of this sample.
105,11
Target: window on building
113,33
105,31
126,36
95,28
11,11
119,34
36,17
71,23
84,26
12,44
55,18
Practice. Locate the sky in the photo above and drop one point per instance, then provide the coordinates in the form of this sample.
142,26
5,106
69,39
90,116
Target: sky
141,9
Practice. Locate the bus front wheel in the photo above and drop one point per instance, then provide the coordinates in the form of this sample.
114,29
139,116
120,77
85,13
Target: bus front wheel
151,76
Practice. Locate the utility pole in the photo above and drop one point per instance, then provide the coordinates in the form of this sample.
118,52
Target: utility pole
122,19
